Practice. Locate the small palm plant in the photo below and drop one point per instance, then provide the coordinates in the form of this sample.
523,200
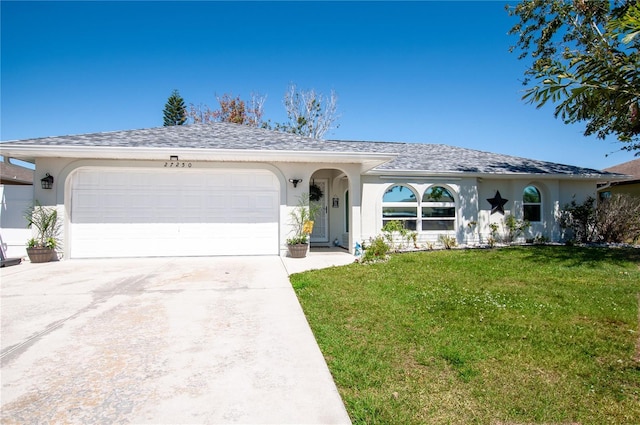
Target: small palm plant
45,221
302,217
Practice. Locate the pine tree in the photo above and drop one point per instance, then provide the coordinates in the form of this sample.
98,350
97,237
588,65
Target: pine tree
175,113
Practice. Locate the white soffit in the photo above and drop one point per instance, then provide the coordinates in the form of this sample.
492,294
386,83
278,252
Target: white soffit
30,153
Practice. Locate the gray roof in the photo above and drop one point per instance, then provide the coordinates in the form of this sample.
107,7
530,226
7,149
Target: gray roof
444,158
435,158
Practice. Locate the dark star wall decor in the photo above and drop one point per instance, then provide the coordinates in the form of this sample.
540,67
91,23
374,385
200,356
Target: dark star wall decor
497,203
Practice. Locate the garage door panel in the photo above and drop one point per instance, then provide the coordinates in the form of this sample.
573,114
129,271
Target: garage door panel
263,201
241,181
240,201
154,213
161,240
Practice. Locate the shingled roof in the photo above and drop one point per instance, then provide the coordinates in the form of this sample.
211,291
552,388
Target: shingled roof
15,174
630,168
440,158
410,157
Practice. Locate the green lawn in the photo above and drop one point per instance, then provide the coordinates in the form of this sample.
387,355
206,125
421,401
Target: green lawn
542,334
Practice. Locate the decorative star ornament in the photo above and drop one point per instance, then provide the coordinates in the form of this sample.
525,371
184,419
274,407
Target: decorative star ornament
497,203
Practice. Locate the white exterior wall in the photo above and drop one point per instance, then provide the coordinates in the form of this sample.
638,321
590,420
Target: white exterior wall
487,189
365,196
15,199
468,212
372,190
337,225
473,215
342,177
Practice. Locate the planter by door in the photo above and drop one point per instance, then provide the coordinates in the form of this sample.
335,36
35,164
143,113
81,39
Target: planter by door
40,255
298,250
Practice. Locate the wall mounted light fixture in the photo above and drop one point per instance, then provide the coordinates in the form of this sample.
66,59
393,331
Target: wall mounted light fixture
47,181
295,182
173,158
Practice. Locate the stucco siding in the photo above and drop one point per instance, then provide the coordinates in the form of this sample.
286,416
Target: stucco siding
628,189
15,199
473,210
340,179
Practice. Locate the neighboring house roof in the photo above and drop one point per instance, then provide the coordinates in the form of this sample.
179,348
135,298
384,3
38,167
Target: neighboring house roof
209,141
15,174
630,168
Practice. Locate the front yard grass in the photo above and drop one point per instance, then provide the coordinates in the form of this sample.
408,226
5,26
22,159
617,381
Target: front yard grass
543,334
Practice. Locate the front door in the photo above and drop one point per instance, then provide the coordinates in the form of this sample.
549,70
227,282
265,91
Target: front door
321,223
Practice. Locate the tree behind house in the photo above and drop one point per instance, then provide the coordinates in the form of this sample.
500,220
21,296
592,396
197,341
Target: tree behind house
310,113
231,109
175,112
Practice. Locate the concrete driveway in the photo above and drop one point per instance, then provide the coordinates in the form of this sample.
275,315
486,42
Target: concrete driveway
161,340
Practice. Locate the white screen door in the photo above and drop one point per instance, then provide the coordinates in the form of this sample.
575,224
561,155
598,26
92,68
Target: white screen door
321,224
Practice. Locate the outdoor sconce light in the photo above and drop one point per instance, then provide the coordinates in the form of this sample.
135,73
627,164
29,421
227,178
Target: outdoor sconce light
295,182
173,158
47,181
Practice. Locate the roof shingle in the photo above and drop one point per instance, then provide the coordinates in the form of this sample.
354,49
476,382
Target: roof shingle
434,158
15,174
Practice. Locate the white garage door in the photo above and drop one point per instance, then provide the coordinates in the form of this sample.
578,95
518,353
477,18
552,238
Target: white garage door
149,213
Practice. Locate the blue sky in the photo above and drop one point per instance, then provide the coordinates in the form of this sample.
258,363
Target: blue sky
425,72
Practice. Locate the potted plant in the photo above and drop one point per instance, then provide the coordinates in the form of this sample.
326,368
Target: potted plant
302,217
41,248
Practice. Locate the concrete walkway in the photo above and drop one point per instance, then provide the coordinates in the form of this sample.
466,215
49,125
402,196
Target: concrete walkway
163,340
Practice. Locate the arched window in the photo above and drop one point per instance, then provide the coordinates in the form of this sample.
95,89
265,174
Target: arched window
400,203
532,204
438,209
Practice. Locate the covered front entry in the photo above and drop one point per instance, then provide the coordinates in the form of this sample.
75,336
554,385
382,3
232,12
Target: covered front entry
329,192
142,212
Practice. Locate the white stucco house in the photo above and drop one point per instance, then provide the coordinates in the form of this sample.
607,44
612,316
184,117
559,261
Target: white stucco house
226,189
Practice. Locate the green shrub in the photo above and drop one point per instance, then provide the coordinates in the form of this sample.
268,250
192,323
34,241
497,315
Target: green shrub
613,220
376,250
396,227
618,219
447,241
515,227
579,220
493,239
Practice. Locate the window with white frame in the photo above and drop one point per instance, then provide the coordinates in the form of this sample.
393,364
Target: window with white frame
438,209
532,204
400,203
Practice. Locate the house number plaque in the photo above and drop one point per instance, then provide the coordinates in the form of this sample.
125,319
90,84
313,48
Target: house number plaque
176,164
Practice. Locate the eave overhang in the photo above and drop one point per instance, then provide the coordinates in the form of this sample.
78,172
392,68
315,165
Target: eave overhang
426,175
366,160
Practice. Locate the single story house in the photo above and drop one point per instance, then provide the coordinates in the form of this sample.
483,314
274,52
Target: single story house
227,189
